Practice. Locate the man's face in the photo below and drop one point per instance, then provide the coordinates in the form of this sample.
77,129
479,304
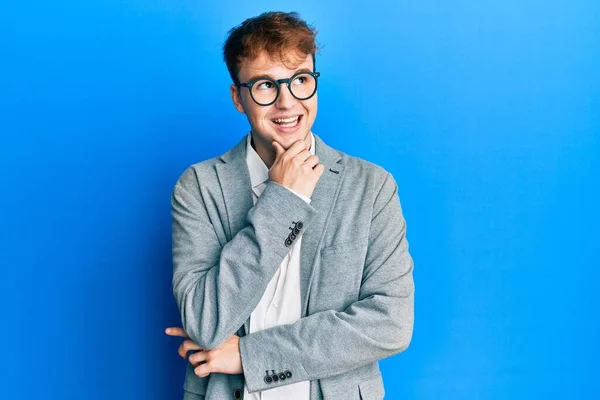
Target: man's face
265,121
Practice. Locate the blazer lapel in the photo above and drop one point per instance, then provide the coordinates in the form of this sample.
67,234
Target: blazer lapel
234,179
323,199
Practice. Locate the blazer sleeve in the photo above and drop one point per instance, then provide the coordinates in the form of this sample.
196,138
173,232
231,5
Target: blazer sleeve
217,287
378,325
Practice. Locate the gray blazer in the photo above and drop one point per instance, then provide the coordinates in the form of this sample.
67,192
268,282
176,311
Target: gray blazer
356,274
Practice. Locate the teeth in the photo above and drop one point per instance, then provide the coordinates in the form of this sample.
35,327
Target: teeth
287,120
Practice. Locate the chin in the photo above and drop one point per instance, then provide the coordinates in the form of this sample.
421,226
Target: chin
287,141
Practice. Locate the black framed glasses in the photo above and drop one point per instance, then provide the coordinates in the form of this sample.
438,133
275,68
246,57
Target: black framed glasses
265,91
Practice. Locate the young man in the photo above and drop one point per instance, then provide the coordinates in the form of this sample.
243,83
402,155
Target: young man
291,265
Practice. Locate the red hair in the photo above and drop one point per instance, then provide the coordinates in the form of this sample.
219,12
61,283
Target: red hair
284,37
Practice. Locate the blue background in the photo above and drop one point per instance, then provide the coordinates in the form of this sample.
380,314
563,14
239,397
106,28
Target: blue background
487,114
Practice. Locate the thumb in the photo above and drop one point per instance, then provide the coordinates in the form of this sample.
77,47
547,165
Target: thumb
176,331
279,150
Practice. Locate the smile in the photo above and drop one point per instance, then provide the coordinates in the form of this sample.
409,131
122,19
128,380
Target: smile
287,122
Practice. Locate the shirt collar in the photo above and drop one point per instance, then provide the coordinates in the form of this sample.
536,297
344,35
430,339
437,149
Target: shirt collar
256,166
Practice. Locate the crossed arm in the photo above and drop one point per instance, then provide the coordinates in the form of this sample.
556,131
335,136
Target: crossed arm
216,289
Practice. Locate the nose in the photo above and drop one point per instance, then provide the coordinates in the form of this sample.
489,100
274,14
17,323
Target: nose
285,99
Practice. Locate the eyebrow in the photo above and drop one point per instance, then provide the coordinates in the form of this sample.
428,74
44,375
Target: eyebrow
253,77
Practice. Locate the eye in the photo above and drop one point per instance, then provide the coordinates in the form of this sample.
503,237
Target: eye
300,80
265,85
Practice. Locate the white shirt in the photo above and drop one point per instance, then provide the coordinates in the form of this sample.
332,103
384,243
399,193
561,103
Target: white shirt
281,301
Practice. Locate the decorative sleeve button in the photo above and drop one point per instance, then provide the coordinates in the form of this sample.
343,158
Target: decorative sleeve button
275,377
268,378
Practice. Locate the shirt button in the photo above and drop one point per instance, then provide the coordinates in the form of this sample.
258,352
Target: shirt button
275,306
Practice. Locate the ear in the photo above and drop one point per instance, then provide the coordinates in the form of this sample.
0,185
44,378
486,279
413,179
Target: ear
236,97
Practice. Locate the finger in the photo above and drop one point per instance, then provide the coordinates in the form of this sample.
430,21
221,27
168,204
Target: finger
187,346
202,370
302,156
176,331
312,160
296,147
196,358
279,150
319,169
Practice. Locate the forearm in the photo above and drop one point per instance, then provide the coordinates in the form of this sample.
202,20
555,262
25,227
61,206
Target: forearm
218,288
330,342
